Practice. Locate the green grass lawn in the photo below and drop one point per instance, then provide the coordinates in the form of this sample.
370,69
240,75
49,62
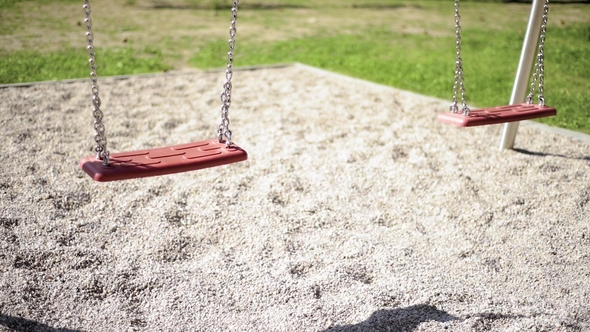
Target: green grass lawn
425,64
419,62
32,66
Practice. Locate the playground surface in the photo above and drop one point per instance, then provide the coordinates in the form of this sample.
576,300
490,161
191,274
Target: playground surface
356,211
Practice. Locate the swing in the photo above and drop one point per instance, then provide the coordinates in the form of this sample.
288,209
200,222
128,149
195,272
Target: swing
164,160
498,114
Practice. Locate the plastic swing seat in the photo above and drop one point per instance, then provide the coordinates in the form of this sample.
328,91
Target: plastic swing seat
496,115
508,113
163,161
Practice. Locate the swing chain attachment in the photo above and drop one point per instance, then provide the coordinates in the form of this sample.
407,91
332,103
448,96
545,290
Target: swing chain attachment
100,139
539,72
223,130
459,83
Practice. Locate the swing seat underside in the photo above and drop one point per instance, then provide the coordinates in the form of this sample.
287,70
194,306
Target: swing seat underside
496,115
162,161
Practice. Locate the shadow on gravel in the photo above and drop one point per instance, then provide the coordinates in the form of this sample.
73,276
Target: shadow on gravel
543,154
26,325
402,319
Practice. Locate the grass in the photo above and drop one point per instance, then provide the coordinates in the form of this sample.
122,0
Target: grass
4,4
30,66
380,51
425,64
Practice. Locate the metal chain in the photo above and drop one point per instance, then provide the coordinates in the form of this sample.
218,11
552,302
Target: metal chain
459,83
223,130
539,71
100,139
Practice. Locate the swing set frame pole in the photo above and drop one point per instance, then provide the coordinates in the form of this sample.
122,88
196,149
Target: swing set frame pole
523,73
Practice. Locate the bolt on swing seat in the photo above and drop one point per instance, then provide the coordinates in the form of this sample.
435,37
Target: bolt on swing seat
163,160
498,114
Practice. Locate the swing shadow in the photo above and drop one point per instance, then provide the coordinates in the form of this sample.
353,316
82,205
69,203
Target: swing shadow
401,319
408,319
545,154
23,325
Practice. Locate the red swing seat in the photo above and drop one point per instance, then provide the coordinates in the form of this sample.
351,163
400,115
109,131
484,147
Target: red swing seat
162,161
496,115
165,160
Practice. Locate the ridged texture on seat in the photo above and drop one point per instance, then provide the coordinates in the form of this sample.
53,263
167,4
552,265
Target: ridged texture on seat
162,161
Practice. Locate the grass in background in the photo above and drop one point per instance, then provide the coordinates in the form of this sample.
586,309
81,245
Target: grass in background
11,3
417,62
425,64
567,81
29,66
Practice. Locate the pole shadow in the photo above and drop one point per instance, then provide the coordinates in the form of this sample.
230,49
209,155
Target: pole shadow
401,319
544,154
26,325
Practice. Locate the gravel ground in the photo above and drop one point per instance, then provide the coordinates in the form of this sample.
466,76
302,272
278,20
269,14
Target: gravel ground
356,211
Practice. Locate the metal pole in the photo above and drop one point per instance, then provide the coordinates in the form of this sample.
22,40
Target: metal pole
523,73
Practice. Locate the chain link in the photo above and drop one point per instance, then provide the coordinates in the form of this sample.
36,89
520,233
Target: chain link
223,130
100,139
459,82
539,72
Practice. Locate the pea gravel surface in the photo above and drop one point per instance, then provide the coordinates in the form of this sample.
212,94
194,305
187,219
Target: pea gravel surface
356,211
